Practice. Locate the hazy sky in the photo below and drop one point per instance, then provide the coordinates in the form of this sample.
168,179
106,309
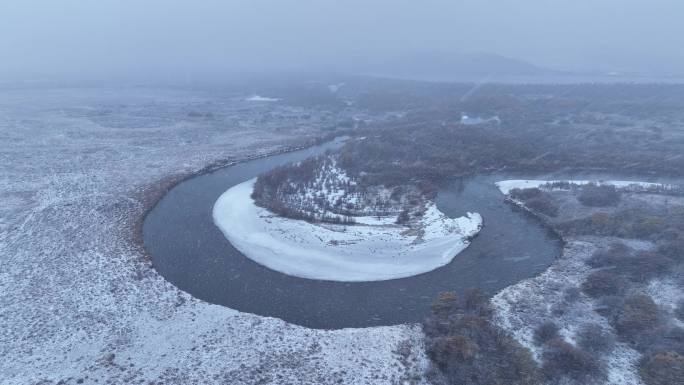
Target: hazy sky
95,37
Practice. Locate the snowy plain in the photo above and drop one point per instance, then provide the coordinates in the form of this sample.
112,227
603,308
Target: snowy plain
79,301
371,250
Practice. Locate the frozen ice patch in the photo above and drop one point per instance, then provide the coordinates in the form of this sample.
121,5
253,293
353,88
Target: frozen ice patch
259,98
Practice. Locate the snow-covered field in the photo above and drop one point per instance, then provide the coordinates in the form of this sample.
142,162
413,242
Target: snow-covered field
522,307
259,98
507,185
370,250
78,300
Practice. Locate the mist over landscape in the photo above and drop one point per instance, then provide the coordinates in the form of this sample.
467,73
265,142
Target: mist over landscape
342,192
178,41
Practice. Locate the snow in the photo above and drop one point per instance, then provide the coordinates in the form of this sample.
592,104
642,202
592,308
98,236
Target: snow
470,121
335,87
371,252
258,98
376,221
332,189
507,185
79,300
521,308
667,293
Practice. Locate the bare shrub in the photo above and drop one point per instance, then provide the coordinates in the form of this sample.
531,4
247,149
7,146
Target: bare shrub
609,306
545,332
468,348
640,266
525,193
452,348
671,338
536,200
679,311
562,359
639,223
645,265
595,339
662,368
599,195
475,301
543,204
571,294
638,315
403,217
673,249
609,257
603,283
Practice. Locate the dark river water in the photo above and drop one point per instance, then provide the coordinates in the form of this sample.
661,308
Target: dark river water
192,253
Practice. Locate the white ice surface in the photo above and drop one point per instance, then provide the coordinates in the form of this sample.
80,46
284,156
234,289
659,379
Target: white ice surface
357,252
507,185
259,98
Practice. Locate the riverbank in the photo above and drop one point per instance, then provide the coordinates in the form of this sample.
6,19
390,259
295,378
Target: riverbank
192,253
151,194
557,296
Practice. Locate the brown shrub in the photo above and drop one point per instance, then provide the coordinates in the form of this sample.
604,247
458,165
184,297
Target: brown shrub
562,359
468,348
603,283
645,265
543,204
545,332
599,195
609,257
446,304
679,311
609,306
662,368
673,249
536,200
595,339
525,193
639,314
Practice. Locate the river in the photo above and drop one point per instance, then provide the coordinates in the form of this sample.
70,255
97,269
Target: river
192,253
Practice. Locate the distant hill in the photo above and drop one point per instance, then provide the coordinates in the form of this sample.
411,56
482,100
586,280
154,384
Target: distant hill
457,66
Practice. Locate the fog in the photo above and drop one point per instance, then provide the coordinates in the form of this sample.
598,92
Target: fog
107,39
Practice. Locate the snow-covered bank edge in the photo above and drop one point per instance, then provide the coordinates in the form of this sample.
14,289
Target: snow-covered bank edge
338,252
153,193
506,186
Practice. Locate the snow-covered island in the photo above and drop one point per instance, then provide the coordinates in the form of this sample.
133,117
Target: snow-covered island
317,219
372,249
